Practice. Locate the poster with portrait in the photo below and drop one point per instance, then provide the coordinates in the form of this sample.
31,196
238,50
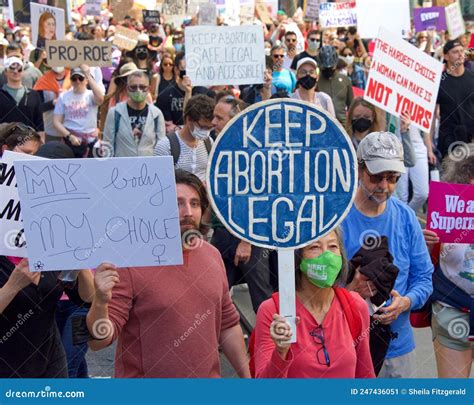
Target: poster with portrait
22,11
47,24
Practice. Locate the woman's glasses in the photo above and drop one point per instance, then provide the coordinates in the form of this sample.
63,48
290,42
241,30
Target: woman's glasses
318,336
77,79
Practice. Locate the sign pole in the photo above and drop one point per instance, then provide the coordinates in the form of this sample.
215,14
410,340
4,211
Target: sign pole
286,288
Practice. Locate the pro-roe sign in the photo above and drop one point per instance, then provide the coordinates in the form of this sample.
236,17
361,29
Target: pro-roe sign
282,174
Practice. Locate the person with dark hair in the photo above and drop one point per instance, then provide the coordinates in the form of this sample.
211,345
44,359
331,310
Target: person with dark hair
18,103
191,145
30,74
148,309
336,85
172,99
28,304
314,43
455,101
18,137
374,215
290,40
133,127
331,321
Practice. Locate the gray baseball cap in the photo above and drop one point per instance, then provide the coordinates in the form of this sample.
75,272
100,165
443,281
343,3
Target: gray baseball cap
381,152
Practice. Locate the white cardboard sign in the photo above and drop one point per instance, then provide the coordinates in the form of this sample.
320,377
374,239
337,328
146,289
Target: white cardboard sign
402,78
225,55
79,213
11,223
393,15
337,14
454,20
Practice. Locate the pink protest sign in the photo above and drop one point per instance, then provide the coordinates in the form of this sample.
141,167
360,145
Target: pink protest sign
451,212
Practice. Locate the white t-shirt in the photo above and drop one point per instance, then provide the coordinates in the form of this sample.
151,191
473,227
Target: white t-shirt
79,110
458,265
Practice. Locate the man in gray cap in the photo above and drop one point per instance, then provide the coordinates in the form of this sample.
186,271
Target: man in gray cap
376,214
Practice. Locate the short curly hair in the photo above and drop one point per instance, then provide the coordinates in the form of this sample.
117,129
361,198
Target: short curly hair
199,107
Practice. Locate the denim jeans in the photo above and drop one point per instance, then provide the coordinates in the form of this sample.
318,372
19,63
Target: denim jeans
77,365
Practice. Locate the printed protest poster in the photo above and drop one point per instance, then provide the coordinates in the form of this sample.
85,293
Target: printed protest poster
430,18
454,20
174,7
311,9
47,24
282,173
451,212
78,213
247,11
337,14
22,12
75,53
150,17
93,7
121,8
262,12
225,55
11,223
393,15
207,14
125,38
403,78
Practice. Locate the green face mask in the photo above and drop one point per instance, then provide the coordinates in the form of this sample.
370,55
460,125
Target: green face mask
323,270
138,96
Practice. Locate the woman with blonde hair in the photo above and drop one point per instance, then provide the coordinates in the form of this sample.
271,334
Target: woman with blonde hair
47,29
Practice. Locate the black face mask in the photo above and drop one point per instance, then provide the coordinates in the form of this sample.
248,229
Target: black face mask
361,124
328,72
307,82
142,55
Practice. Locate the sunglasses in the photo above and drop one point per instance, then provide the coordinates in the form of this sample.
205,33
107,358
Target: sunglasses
378,178
16,68
278,56
77,79
313,39
318,336
348,54
136,87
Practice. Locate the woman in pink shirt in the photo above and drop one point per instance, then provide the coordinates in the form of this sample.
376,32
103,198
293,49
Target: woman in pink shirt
325,346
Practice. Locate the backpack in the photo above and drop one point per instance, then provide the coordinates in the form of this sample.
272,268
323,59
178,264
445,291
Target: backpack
353,320
176,148
117,118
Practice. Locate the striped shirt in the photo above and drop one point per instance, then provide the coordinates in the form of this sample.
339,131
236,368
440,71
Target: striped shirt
193,160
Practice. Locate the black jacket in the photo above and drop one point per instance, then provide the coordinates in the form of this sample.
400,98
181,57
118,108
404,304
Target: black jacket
28,111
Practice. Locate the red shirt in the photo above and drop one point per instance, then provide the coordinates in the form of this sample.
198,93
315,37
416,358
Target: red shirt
168,319
301,361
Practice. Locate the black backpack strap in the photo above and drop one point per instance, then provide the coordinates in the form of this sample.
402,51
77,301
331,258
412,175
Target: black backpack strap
207,143
174,146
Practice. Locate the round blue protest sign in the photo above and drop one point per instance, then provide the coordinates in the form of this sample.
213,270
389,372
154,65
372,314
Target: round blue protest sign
282,174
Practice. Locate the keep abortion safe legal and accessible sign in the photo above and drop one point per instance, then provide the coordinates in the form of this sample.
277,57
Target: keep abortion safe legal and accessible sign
282,173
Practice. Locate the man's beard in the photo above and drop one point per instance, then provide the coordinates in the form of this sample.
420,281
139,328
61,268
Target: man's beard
191,236
187,225
372,197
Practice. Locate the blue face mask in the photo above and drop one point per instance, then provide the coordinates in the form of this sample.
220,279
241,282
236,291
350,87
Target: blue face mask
178,47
